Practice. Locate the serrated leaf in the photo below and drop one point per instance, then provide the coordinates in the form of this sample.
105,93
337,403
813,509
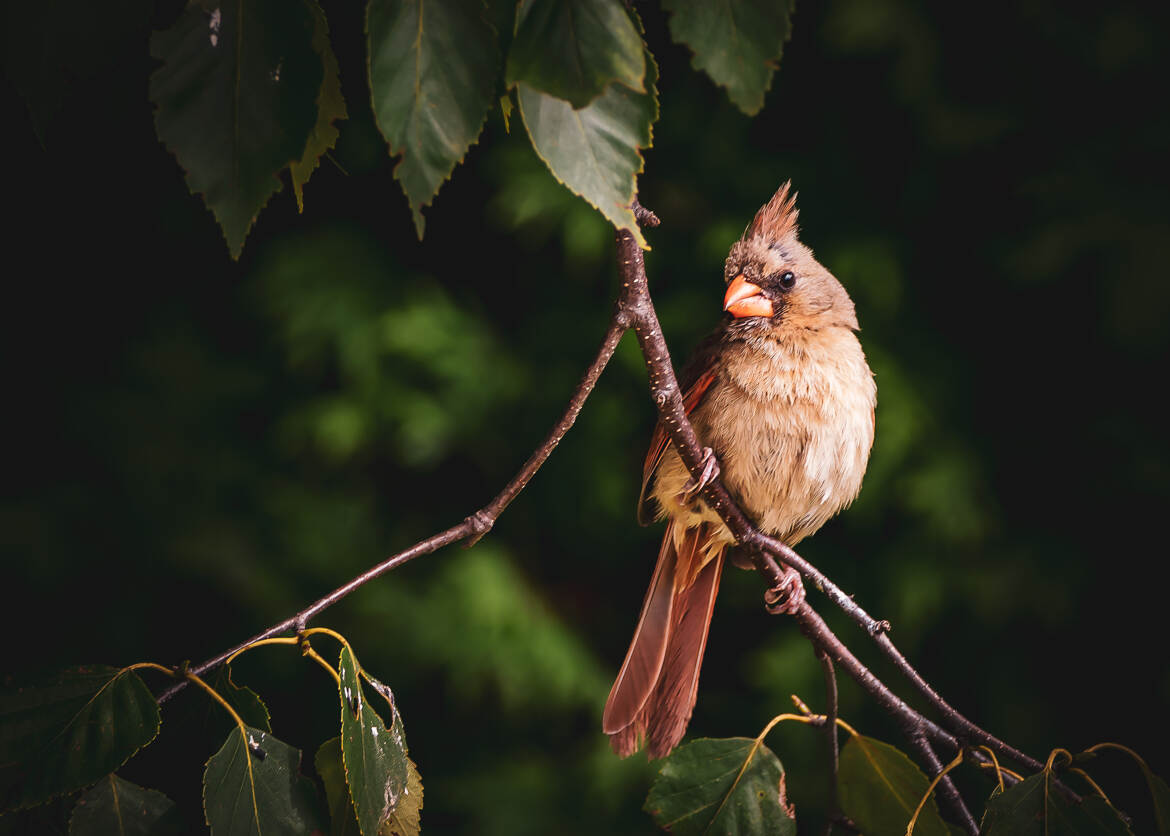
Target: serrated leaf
594,151
738,43
732,785
252,786
574,49
374,754
236,99
69,732
432,68
406,820
342,819
330,108
1034,807
879,787
116,806
244,700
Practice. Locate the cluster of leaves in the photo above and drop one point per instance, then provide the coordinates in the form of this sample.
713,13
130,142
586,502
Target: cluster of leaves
70,735
248,90
737,785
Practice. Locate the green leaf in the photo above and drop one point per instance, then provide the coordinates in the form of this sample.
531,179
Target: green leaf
1034,807
67,733
236,100
732,785
594,151
738,43
330,108
574,49
342,819
252,786
406,818
404,821
1161,796
244,700
114,805
433,67
374,755
879,787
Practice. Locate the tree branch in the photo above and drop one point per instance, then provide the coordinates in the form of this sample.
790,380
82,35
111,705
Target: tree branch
635,309
664,389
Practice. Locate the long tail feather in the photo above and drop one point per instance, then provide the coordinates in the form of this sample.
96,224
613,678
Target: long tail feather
655,692
643,661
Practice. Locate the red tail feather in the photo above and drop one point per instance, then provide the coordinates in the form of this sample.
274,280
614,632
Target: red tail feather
654,693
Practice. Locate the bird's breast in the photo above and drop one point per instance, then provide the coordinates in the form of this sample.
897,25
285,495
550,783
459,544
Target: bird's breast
792,425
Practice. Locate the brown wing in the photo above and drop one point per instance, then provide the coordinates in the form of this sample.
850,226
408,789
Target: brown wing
703,377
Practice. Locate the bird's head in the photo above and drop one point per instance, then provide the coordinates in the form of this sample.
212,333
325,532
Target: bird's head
773,281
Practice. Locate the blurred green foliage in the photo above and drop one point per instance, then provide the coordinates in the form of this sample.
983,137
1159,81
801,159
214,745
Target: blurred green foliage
197,448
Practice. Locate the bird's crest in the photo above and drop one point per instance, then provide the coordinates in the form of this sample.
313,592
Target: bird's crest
776,218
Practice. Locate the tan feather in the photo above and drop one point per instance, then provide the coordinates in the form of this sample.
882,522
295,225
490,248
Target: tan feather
776,219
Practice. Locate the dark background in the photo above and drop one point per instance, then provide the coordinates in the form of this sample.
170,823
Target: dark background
197,448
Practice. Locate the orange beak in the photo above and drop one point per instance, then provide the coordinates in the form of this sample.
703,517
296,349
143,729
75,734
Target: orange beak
746,299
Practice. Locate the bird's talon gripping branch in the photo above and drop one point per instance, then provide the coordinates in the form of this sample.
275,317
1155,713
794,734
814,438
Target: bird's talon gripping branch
692,488
787,596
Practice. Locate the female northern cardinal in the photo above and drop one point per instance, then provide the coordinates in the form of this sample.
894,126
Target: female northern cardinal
784,400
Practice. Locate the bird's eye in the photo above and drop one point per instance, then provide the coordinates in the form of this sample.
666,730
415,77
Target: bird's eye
787,280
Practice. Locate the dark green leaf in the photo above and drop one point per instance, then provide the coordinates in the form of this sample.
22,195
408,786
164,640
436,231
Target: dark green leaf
737,43
732,785
330,108
252,786
114,805
244,700
342,819
879,788
594,151
433,68
1035,807
65,734
574,49
236,100
374,755
1161,795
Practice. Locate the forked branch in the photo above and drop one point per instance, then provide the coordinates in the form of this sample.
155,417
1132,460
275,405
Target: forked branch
635,309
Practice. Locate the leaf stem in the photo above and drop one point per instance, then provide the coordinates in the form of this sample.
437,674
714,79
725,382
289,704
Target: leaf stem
260,643
930,790
215,695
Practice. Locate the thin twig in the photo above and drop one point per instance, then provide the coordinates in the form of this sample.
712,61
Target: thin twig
473,527
831,742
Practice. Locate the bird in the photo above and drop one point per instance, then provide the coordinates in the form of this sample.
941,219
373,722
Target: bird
783,401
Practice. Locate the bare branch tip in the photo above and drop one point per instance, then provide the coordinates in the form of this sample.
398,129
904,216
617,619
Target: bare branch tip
644,215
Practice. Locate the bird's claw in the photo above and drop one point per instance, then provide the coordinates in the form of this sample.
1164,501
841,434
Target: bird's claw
692,488
786,597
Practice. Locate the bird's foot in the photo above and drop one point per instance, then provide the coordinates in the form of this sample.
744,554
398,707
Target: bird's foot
786,597
692,488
